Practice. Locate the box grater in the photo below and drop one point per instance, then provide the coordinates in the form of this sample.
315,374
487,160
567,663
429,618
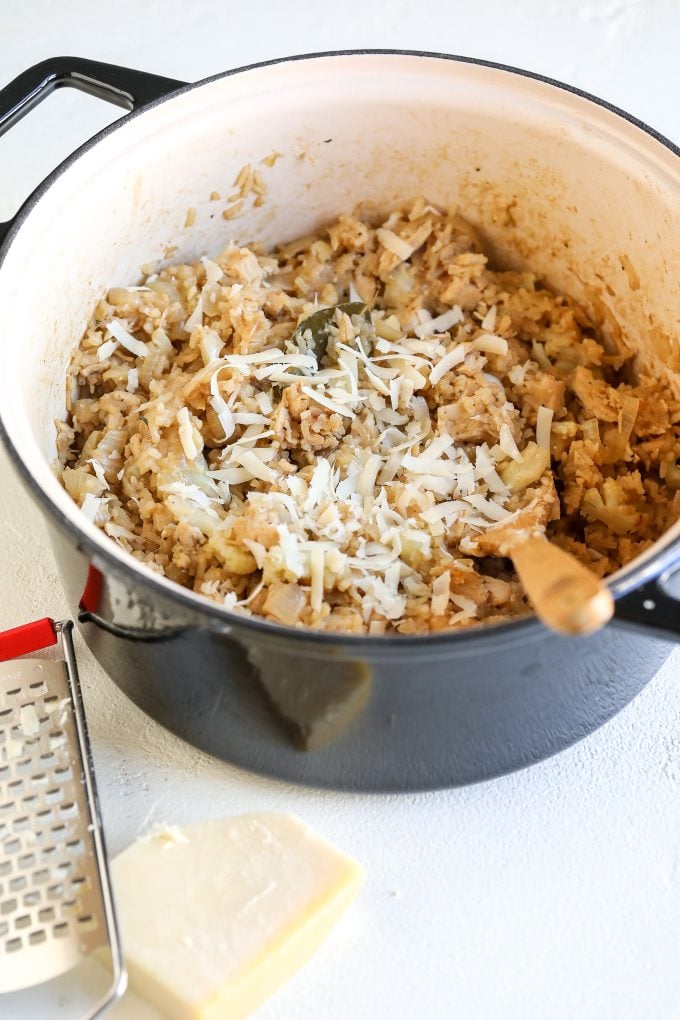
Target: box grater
56,907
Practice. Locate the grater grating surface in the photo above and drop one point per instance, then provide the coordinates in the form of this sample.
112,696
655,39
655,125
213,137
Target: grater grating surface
55,904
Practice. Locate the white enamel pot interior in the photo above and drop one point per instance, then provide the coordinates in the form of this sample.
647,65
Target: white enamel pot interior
585,197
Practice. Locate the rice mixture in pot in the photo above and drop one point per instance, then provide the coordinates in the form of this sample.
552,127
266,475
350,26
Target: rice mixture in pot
358,468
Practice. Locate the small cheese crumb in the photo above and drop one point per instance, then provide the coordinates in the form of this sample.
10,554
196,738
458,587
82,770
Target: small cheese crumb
29,724
489,320
13,749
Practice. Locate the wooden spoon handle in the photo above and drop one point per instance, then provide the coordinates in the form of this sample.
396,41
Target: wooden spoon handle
564,593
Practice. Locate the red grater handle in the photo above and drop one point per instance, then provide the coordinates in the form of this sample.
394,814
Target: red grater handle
30,637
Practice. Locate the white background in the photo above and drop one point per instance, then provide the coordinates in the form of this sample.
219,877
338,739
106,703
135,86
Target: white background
553,893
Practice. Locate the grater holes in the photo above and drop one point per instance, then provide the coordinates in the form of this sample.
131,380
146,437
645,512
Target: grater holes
17,884
68,810
40,876
62,871
29,801
38,687
47,759
75,846
54,795
5,771
57,739
46,914
55,891
59,832
13,693
26,861
4,831
12,945
4,928
5,867
63,773
12,846
87,923
60,931
39,779
36,937
8,906
24,767
20,824
32,898
5,714
23,921
7,808
15,787
45,815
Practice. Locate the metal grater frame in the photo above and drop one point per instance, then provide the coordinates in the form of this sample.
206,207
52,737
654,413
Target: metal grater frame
56,905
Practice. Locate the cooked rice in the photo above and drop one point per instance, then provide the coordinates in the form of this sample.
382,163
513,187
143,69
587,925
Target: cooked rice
373,489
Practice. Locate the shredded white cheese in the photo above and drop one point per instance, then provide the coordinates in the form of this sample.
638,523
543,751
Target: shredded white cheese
489,320
127,340
449,361
544,417
441,324
106,349
361,514
331,405
220,406
186,434
507,443
99,472
316,558
252,463
441,593
490,344
394,244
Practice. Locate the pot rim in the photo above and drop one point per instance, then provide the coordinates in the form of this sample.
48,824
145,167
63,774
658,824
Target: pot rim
514,629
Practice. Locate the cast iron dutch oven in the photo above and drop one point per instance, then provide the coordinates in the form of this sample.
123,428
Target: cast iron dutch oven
554,178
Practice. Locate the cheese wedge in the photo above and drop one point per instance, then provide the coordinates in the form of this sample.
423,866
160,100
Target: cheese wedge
214,917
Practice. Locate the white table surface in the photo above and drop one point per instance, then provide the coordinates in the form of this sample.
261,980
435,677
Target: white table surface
552,893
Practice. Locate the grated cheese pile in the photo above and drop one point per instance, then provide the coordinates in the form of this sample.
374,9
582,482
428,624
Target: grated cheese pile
366,477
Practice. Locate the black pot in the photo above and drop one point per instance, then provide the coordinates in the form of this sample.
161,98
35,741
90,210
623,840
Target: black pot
378,713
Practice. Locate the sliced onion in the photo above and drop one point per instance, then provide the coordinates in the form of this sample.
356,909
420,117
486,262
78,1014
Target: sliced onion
285,602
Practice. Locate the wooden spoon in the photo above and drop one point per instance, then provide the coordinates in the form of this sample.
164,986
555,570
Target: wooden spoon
566,596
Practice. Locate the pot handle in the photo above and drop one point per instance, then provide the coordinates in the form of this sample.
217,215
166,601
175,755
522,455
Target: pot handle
650,609
121,86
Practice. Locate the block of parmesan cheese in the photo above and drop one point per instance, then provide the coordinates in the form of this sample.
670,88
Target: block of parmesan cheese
214,917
